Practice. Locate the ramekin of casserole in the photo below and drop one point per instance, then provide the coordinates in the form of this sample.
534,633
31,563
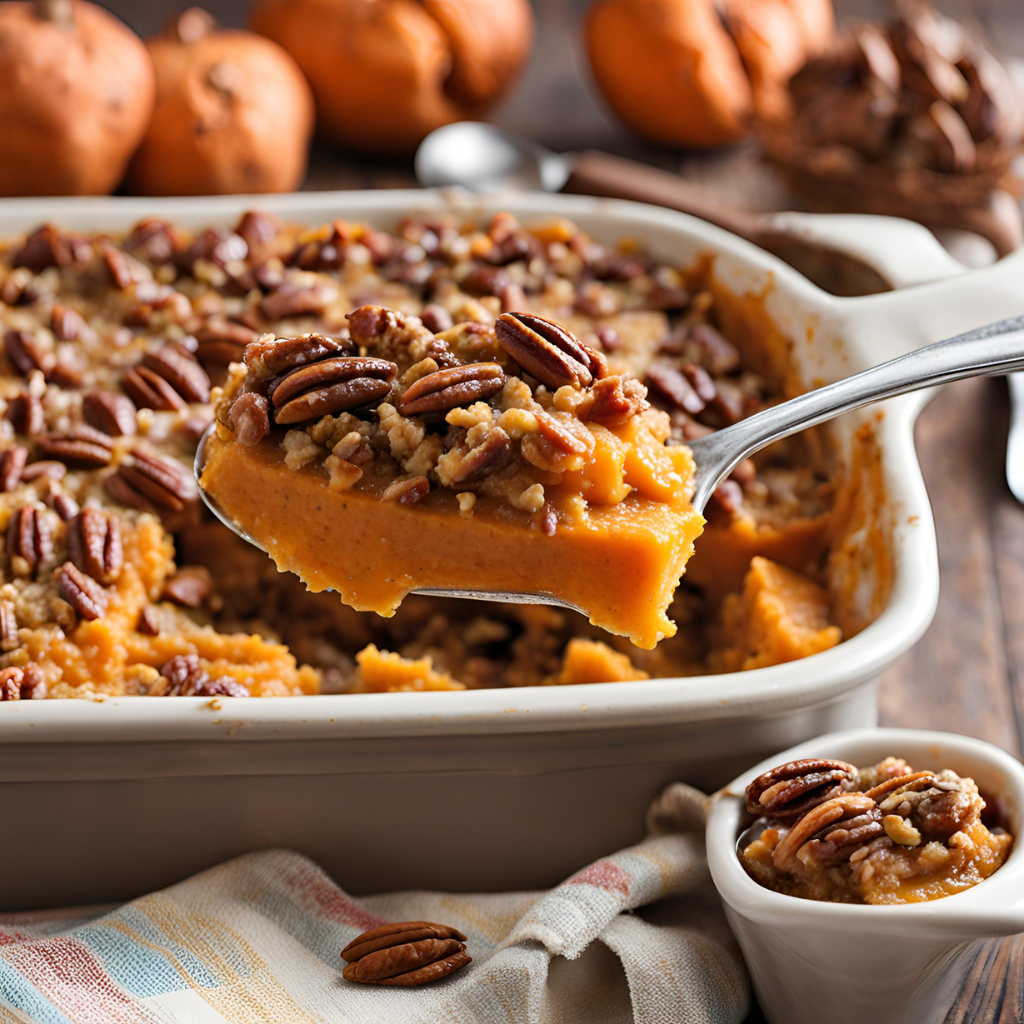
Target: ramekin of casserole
488,788
813,961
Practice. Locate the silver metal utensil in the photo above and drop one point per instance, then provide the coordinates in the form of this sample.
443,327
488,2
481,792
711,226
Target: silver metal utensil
1015,437
995,349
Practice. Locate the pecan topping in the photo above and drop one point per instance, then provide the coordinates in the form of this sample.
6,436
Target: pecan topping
12,465
220,341
406,954
844,822
147,481
548,351
447,389
65,506
676,387
188,587
110,412
95,545
27,683
790,790
913,781
181,370
29,540
27,354
82,592
156,239
938,806
331,386
249,418
184,676
149,390
67,324
616,400
293,298
25,411
9,639
269,356
406,490
45,247
486,457
436,318
45,469
82,446
124,269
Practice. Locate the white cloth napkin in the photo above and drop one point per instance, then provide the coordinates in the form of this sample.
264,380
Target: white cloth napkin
638,935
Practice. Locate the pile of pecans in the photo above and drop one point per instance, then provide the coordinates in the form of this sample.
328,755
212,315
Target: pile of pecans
829,813
914,118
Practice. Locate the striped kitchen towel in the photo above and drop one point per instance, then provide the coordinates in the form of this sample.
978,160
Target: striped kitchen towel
256,941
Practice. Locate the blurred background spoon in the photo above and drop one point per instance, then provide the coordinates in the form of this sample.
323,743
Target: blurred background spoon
483,158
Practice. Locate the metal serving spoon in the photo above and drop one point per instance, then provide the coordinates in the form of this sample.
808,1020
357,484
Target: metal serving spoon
995,349
481,157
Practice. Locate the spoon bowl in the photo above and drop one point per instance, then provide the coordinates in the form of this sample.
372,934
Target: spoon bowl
480,157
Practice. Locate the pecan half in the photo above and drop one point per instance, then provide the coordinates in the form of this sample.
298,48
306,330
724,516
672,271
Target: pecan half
448,389
12,465
22,683
82,446
331,386
48,469
790,790
249,418
939,806
181,370
27,354
548,351
149,390
294,298
124,269
672,384
858,812
220,341
184,676
67,324
45,247
188,587
25,411
29,540
405,954
95,544
152,482
9,638
269,356
82,592
109,411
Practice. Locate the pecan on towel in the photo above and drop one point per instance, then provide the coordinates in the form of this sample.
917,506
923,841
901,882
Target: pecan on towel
406,954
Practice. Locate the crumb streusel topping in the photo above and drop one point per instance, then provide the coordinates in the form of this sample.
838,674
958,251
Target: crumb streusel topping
113,580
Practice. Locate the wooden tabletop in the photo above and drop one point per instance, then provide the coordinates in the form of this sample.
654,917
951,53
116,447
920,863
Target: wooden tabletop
967,674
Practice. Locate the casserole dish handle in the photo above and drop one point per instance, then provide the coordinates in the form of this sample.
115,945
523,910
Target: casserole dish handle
903,252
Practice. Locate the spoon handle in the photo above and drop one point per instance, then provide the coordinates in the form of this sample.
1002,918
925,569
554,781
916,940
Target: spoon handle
994,349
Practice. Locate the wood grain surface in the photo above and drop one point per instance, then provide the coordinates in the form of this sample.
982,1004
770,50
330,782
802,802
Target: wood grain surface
967,674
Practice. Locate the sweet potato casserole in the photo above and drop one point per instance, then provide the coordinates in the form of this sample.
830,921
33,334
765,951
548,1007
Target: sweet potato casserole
117,349
885,834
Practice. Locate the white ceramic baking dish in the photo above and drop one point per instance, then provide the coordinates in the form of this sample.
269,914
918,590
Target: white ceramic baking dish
493,788
813,961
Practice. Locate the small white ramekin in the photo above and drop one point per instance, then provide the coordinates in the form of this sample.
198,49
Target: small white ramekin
813,962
